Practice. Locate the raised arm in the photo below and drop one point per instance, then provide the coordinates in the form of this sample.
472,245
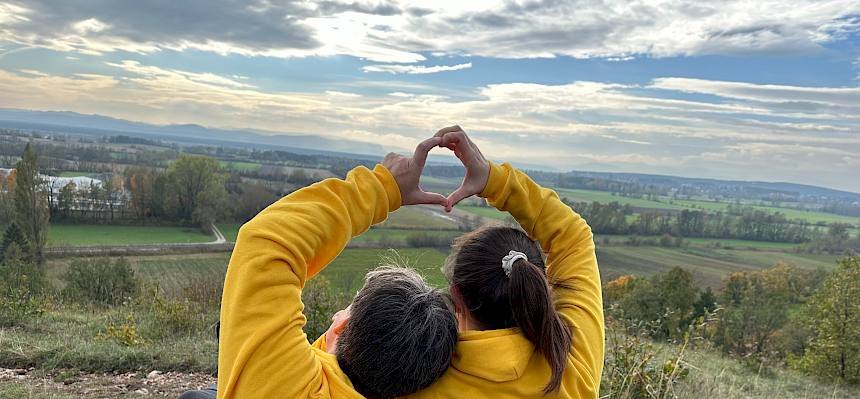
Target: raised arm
263,351
563,235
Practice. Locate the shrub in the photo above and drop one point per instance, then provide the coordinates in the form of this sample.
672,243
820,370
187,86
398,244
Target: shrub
125,334
100,281
20,285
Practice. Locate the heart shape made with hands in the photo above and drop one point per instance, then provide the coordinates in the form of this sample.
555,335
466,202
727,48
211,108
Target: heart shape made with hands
407,171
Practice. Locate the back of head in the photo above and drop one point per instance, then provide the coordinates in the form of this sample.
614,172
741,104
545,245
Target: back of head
522,299
400,336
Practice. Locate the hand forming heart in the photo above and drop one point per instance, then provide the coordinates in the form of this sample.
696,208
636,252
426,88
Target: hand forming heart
407,171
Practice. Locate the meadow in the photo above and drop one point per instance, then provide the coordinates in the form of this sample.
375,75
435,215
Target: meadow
76,235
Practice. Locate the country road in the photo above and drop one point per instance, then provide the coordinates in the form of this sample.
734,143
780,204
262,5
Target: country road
220,244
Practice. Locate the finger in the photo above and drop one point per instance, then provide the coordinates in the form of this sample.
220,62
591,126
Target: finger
423,197
455,197
448,129
420,155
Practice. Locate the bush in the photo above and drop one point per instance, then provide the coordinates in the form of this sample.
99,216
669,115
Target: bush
20,285
125,334
100,281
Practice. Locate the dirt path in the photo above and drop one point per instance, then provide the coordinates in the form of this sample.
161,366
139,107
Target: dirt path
154,384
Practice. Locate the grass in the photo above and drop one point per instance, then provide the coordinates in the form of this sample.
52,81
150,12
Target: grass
791,214
79,235
487,212
707,242
716,376
397,237
347,271
69,173
229,230
607,197
419,218
240,166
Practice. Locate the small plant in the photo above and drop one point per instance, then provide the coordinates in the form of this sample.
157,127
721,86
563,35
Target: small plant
635,366
18,305
125,334
100,281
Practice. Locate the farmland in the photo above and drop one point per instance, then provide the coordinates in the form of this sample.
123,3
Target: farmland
76,235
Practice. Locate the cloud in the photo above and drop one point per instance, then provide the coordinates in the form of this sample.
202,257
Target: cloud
401,31
415,69
743,133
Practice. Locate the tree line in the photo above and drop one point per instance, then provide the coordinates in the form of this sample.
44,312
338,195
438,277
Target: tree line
737,222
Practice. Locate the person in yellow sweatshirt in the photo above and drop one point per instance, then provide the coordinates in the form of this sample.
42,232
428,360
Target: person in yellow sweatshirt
529,328
400,333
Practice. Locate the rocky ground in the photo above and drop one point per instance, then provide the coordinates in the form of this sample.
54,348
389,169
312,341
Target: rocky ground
153,384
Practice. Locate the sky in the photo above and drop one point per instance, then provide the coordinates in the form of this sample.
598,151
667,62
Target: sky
764,90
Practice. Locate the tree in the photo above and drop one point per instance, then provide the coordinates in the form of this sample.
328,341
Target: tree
140,182
13,240
666,299
31,205
756,305
834,317
198,186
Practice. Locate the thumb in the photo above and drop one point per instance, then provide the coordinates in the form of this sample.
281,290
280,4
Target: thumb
456,197
423,197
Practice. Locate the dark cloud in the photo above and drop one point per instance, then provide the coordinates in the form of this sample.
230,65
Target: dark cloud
250,24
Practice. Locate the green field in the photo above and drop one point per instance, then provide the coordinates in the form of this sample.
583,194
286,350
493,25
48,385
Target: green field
791,214
412,218
704,242
240,166
229,230
69,173
607,197
80,235
487,212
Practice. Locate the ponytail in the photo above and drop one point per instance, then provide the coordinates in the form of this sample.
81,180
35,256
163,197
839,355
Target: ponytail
515,294
534,312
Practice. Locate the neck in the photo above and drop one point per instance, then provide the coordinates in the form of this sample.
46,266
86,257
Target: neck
465,322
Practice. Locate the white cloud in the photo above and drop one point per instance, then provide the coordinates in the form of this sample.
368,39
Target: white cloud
415,69
401,31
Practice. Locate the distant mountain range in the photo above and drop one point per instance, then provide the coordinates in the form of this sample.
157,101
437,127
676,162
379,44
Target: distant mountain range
75,123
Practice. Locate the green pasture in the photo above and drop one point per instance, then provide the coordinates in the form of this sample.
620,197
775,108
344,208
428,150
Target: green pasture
240,166
69,173
705,242
418,218
487,212
607,197
82,235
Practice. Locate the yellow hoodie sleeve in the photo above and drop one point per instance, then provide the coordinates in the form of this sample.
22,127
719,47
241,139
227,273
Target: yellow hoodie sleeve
263,351
571,263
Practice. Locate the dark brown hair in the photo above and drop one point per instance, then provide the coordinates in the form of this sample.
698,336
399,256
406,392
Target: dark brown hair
523,300
400,336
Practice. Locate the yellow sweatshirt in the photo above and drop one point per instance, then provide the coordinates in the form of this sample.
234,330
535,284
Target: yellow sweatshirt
263,352
503,363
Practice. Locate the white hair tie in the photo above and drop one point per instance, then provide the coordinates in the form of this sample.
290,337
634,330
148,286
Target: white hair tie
509,259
